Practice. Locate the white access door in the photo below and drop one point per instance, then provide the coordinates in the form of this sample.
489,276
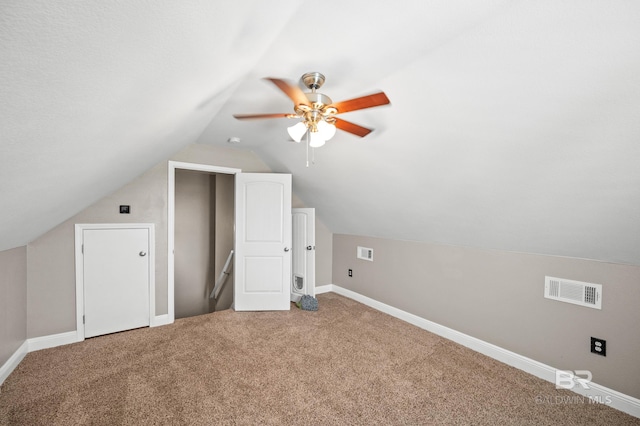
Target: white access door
303,270
116,280
263,242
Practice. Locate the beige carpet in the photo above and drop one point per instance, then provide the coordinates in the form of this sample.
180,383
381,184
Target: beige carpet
345,364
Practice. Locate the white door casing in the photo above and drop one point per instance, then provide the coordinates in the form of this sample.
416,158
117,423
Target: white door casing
303,253
115,278
262,260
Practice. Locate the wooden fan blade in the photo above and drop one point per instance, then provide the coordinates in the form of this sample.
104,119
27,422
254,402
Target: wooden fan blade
253,116
293,92
350,127
363,102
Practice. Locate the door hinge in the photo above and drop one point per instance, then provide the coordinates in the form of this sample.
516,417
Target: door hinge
83,319
82,249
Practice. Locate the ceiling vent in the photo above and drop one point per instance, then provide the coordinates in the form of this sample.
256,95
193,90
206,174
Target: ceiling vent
365,253
576,292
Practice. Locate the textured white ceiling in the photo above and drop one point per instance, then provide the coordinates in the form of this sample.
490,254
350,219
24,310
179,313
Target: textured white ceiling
514,124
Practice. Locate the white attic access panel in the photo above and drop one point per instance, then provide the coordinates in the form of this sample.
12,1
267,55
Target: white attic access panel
115,280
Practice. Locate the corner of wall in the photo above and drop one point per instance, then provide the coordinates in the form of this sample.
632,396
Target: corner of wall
13,309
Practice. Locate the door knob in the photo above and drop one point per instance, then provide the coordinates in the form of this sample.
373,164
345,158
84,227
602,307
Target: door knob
143,253
309,248
286,249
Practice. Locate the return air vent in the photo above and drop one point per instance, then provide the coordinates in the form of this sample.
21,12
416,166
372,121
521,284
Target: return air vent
365,253
576,292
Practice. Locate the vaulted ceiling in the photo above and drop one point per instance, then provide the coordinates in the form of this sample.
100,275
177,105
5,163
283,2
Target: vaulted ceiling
513,125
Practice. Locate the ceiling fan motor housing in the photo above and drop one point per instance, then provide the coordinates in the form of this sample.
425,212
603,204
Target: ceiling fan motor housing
318,109
313,80
318,100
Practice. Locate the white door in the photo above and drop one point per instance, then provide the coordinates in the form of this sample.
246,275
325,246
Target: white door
303,277
116,280
263,242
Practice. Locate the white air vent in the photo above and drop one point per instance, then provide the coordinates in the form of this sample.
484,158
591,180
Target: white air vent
365,253
576,292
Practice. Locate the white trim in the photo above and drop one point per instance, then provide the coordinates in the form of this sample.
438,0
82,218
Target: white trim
324,288
173,165
171,223
615,399
79,285
79,228
53,340
7,368
159,320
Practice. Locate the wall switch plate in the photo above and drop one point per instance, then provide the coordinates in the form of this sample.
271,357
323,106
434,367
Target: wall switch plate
125,209
598,346
350,272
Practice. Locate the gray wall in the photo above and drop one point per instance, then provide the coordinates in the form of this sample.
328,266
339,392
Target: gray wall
497,297
50,260
51,265
13,301
193,229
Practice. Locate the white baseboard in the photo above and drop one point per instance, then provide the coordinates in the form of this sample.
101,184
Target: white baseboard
324,288
159,320
13,361
35,344
615,399
53,340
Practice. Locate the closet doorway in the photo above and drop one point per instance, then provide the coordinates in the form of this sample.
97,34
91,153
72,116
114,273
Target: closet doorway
203,234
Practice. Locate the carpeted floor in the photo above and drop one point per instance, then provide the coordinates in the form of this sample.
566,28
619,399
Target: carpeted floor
345,364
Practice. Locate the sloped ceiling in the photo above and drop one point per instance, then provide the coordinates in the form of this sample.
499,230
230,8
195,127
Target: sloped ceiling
513,125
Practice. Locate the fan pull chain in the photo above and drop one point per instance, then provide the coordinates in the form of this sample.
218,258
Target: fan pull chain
313,150
308,139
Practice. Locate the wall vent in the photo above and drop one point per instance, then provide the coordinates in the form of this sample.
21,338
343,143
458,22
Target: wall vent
576,292
365,253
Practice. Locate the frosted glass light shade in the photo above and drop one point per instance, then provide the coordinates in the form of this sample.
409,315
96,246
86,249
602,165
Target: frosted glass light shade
297,131
326,130
316,140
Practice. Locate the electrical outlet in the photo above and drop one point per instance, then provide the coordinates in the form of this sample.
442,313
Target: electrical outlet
351,272
598,346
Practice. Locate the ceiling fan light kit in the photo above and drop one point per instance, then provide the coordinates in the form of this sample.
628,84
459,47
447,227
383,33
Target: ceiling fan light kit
316,140
326,130
297,131
318,112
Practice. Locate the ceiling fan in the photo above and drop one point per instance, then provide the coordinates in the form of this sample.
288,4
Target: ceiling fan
317,111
